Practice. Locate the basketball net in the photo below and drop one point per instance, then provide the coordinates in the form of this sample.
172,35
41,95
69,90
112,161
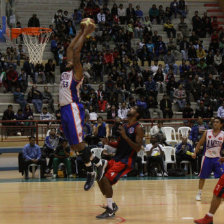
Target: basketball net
36,45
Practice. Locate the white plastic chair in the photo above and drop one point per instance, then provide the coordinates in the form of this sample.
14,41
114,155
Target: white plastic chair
142,155
169,152
97,152
33,165
183,132
188,164
170,135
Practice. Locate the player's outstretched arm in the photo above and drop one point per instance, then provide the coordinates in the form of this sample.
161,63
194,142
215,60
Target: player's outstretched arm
77,51
200,143
70,49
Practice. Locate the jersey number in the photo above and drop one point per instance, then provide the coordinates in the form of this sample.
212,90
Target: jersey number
65,84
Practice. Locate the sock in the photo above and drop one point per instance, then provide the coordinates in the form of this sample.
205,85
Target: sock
200,191
210,214
110,203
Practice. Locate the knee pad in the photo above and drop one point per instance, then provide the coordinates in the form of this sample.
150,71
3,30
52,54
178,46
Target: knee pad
85,154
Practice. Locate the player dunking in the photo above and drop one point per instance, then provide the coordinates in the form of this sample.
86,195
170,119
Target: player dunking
72,111
213,140
129,143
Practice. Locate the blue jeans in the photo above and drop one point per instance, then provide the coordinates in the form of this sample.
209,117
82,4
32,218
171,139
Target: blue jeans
22,103
37,104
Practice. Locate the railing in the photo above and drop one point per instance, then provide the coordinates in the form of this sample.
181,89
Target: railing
18,131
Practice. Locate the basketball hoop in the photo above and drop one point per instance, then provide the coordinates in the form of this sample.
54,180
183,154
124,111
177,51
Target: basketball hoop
35,39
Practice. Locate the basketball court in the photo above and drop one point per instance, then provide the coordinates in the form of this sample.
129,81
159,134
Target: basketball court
155,201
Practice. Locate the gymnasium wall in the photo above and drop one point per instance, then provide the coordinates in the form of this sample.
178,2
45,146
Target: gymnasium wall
221,3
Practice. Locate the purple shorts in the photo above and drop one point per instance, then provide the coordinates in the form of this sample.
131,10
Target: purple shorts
72,120
209,165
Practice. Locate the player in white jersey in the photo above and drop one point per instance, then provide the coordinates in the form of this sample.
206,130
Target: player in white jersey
212,140
72,111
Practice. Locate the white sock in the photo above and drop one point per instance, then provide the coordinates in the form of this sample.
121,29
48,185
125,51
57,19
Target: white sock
200,191
109,203
99,163
210,215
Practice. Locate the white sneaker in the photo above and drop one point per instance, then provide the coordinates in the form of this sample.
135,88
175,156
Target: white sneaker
54,176
198,197
70,176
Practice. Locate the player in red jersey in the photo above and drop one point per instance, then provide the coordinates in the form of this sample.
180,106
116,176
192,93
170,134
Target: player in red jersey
129,143
218,194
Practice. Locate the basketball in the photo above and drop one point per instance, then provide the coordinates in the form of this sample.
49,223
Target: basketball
87,22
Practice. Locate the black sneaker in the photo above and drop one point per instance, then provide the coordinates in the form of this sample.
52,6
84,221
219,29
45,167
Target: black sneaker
101,169
90,180
115,207
109,213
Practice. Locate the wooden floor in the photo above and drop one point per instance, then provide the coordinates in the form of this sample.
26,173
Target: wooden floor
139,201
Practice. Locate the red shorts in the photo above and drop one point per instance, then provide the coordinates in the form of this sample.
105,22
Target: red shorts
219,189
116,170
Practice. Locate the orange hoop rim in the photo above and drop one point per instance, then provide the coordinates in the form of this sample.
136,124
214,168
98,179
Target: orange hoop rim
31,31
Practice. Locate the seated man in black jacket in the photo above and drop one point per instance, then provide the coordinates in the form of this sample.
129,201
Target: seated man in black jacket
166,107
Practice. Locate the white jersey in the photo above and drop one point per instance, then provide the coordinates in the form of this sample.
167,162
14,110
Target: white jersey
213,144
69,89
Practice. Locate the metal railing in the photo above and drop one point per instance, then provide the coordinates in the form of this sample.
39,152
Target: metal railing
18,131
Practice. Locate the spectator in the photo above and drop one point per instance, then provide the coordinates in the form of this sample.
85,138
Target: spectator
87,128
101,129
155,155
197,131
50,71
8,115
158,130
159,79
50,145
45,115
101,18
112,113
35,96
184,151
39,72
183,27
123,111
201,53
174,6
166,107
32,155
114,10
61,155
150,86
168,13
139,12
121,14
154,14
184,46
34,21
217,59
220,112
47,98
20,122
130,13
180,97
169,61
200,111
162,16
102,105
188,112
169,28
153,107
160,48
11,78
23,80
182,8
93,115
197,24
19,98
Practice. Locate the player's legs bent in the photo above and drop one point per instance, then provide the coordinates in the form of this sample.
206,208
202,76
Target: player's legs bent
216,201
115,170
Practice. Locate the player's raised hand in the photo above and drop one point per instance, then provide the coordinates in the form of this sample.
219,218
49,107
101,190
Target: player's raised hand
88,25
